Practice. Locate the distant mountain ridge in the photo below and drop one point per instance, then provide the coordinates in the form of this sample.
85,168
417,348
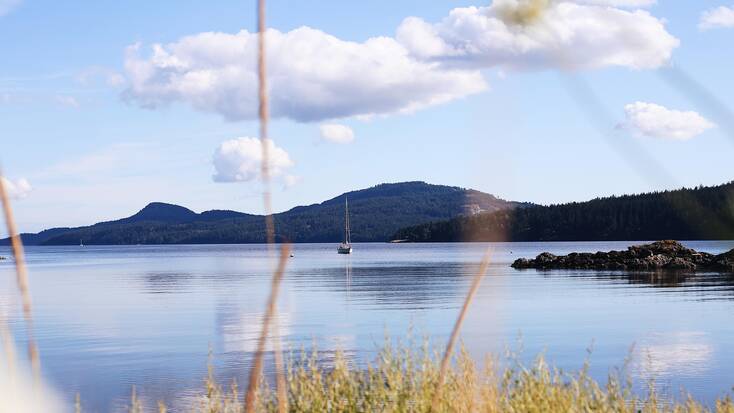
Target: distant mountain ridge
376,213
170,213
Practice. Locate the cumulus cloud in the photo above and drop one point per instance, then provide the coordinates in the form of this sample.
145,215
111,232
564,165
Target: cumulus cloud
6,6
719,17
620,3
313,76
239,160
542,34
649,119
17,189
291,181
334,132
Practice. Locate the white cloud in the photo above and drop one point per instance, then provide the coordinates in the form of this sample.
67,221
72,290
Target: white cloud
680,352
6,6
68,101
620,3
334,132
542,34
18,189
313,76
290,181
717,18
653,120
239,160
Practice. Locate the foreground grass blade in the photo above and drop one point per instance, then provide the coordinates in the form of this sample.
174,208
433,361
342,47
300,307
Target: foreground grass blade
457,327
21,277
270,311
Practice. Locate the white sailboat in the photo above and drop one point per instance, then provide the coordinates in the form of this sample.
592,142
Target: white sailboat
346,246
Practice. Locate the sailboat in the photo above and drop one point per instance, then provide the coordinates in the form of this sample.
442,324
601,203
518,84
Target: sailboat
346,246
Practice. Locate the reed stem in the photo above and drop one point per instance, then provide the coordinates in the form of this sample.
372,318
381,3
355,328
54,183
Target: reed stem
21,278
256,368
457,327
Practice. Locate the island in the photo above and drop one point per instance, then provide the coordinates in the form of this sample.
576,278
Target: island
660,255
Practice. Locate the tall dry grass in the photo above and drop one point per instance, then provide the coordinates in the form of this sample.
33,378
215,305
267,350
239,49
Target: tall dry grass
21,279
457,325
270,313
264,118
406,378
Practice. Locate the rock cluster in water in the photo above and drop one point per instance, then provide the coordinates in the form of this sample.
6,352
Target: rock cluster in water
660,255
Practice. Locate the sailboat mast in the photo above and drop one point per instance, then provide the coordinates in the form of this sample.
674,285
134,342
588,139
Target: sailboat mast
347,235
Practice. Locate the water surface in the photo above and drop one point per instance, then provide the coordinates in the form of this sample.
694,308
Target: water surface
110,317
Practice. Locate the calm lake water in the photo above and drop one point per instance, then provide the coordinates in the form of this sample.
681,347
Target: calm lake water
107,318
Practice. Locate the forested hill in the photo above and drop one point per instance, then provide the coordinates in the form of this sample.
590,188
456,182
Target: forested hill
686,214
376,213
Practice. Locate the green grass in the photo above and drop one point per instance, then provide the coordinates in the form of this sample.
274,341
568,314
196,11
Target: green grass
404,379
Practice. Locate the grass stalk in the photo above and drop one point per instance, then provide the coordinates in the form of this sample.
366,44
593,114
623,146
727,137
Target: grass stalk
457,326
21,278
7,341
264,116
281,384
256,369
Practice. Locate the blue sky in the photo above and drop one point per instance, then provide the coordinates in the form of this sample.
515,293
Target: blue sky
91,129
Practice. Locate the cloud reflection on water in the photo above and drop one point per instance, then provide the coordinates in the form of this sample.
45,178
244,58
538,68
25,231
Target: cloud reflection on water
683,353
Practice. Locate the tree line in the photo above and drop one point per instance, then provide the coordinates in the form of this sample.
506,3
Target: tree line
702,213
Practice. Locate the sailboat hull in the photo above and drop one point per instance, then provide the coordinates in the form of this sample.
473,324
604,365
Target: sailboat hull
342,249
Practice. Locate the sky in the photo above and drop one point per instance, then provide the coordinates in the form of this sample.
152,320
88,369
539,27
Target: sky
107,106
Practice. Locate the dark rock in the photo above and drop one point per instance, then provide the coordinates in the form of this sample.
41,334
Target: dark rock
660,255
523,263
657,261
679,263
545,258
724,262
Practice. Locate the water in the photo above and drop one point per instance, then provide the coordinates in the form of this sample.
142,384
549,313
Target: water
108,318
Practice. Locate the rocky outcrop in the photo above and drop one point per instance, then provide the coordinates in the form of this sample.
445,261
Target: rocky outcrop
660,255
